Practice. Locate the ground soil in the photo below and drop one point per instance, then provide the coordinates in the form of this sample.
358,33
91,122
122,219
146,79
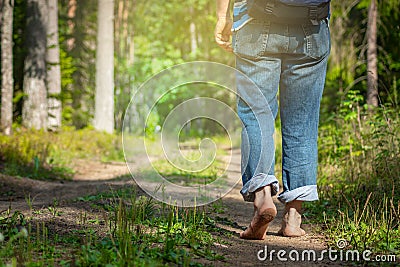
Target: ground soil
93,177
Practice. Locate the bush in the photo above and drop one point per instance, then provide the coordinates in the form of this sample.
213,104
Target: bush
39,154
359,180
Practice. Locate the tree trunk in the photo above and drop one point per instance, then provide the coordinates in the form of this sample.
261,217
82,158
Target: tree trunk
1,11
7,81
34,110
71,25
104,99
193,35
372,56
53,68
118,22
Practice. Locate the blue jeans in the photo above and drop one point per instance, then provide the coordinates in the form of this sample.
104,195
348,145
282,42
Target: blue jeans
292,58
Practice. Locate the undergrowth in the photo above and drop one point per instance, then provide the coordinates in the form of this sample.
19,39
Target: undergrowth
132,231
49,155
359,179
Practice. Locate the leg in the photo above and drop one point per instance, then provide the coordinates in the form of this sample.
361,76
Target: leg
301,87
299,99
257,109
300,95
259,182
264,212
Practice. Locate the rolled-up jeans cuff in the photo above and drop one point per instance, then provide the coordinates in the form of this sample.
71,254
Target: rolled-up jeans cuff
258,181
304,193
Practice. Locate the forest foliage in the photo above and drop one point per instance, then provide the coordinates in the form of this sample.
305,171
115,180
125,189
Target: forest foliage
152,35
358,146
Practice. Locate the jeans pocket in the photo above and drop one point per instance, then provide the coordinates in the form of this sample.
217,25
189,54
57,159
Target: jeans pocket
317,43
250,41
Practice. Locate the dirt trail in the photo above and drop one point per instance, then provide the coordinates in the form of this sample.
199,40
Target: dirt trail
244,252
95,177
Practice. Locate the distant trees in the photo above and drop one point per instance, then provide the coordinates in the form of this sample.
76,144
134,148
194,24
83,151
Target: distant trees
7,81
42,78
151,35
79,60
124,56
104,97
365,54
87,87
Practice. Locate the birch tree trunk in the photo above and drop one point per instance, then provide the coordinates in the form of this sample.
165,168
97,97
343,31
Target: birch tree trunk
193,35
7,81
372,56
53,68
34,110
104,98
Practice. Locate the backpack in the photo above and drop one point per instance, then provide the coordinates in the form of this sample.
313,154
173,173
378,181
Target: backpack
278,11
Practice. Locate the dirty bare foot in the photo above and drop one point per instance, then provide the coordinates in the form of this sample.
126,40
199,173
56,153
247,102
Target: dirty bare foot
292,220
264,212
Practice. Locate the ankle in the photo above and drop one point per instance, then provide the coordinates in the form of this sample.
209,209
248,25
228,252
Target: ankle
263,199
295,204
262,194
291,224
292,216
266,188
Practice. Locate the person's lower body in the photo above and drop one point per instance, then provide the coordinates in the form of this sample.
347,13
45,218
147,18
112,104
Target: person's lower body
292,58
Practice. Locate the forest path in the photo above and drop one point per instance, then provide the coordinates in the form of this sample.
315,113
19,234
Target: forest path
234,216
239,252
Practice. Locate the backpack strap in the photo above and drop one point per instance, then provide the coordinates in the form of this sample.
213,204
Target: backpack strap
313,14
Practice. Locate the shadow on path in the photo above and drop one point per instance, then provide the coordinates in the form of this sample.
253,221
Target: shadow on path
234,218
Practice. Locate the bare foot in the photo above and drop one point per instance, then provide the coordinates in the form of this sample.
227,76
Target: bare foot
264,212
291,224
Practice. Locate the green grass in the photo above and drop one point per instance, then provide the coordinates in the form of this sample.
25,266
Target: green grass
133,231
359,181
